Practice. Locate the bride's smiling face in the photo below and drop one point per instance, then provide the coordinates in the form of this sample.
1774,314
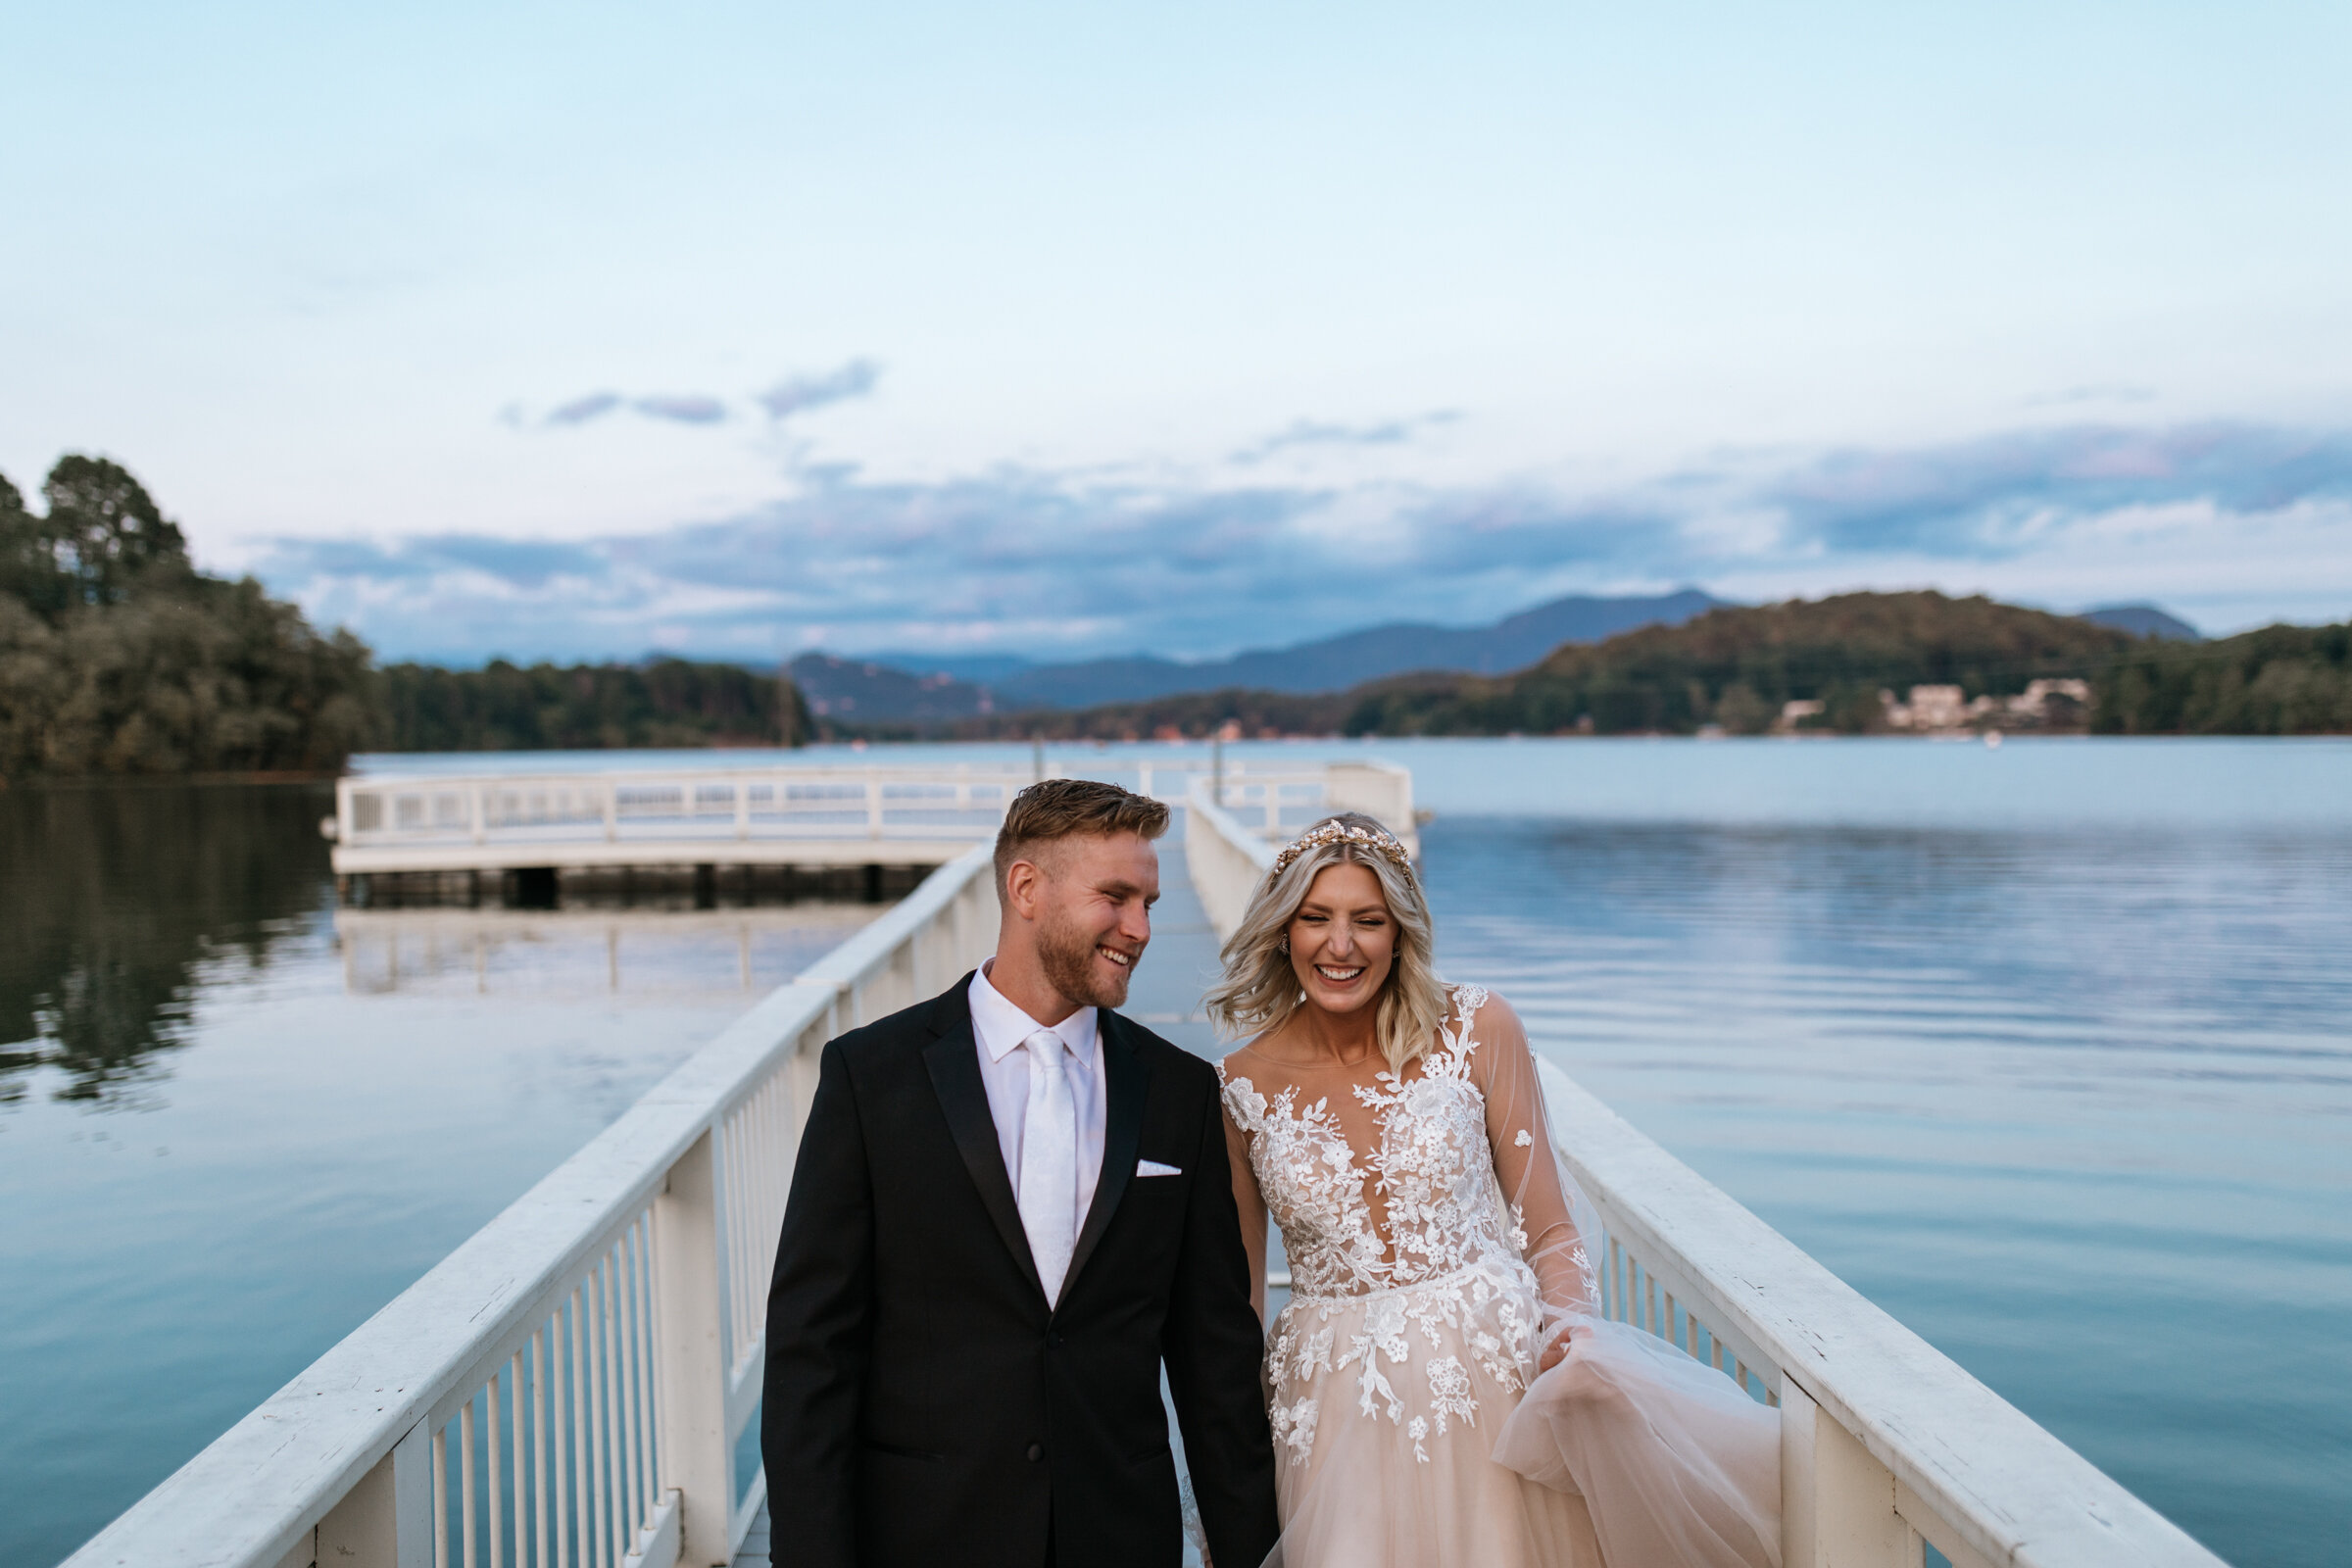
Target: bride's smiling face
1342,939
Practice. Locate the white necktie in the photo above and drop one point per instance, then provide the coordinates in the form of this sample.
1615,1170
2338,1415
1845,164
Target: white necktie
1049,1197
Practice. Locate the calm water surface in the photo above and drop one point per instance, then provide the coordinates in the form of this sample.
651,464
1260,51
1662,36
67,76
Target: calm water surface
2048,1051
229,1132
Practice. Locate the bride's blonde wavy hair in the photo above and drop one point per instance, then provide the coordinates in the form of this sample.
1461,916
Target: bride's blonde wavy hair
1260,990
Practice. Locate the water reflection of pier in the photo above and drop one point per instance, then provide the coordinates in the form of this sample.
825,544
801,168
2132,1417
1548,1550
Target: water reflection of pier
640,950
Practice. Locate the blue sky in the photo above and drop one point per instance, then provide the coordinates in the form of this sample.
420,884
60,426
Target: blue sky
585,330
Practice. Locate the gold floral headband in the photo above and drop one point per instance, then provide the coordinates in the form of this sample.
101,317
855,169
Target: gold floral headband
1371,838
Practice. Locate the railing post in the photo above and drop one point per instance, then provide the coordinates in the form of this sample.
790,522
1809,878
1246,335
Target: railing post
1836,1502
688,1257
873,806
611,787
386,1521
743,808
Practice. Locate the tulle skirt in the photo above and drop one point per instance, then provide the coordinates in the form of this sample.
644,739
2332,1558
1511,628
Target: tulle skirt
1407,1434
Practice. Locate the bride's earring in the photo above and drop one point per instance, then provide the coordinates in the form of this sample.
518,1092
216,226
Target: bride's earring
1284,945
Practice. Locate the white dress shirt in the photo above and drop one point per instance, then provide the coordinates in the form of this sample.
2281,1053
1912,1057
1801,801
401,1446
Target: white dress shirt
999,1028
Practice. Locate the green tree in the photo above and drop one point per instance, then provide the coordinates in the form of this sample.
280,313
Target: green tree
109,528
116,655
31,573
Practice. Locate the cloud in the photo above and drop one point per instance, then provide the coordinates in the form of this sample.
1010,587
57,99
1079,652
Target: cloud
2226,524
520,564
1994,498
1313,434
794,395
686,409
798,394
579,410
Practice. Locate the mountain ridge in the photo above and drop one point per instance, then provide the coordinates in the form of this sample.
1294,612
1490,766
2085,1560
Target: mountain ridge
900,688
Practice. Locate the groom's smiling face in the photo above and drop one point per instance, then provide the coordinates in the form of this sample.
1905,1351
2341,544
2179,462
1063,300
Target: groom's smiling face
1094,913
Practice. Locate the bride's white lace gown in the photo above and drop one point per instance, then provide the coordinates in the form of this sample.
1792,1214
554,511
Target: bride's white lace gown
1432,1251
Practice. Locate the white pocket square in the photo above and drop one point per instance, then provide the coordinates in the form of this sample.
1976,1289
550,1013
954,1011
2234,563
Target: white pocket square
1153,1167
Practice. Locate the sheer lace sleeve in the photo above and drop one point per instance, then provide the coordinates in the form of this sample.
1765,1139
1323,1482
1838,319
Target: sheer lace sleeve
1528,1168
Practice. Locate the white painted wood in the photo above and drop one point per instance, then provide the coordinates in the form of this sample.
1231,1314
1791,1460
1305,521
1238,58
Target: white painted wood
386,1521
1227,860
1854,1522
1930,1526
657,1544
780,817
698,1461
1801,1546
1377,789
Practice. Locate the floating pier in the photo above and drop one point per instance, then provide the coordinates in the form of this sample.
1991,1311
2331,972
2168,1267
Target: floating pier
534,827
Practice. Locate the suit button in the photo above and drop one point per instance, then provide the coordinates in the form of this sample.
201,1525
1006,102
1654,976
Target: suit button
1055,1340
1037,1451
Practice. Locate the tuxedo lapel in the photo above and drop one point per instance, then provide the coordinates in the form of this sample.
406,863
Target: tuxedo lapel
1122,1131
954,1062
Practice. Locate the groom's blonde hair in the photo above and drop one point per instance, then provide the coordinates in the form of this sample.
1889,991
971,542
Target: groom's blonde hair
1260,990
1057,808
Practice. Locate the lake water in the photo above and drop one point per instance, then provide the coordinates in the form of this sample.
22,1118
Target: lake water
2047,1049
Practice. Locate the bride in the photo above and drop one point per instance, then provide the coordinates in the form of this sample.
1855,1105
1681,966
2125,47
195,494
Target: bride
1442,1386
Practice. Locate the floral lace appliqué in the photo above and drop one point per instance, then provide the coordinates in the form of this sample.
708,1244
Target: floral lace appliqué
1445,1269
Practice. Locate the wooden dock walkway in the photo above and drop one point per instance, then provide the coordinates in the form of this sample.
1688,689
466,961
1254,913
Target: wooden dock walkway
542,1323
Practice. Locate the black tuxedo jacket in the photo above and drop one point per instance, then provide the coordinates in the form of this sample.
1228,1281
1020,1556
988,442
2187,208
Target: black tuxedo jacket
925,1405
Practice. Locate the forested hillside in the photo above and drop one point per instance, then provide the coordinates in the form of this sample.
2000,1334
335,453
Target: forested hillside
2280,680
1737,668
117,656
503,707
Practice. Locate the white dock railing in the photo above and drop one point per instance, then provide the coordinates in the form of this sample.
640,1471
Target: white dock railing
1886,1443
904,814
807,814
571,1387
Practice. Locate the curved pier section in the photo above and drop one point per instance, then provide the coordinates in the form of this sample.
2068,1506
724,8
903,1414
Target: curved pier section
574,1386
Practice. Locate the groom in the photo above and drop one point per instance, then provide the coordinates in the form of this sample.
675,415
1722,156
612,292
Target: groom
1010,1207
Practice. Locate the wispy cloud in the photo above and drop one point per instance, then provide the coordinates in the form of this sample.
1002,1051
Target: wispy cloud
579,410
2227,523
1315,433
798,394
690,408
2003,495
793,395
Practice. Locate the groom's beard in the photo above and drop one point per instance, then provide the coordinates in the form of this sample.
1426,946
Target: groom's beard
1066,954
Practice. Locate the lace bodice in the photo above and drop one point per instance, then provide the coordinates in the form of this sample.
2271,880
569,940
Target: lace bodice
1422,1203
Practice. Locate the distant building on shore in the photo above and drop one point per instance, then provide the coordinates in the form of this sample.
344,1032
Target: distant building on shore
2052,704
